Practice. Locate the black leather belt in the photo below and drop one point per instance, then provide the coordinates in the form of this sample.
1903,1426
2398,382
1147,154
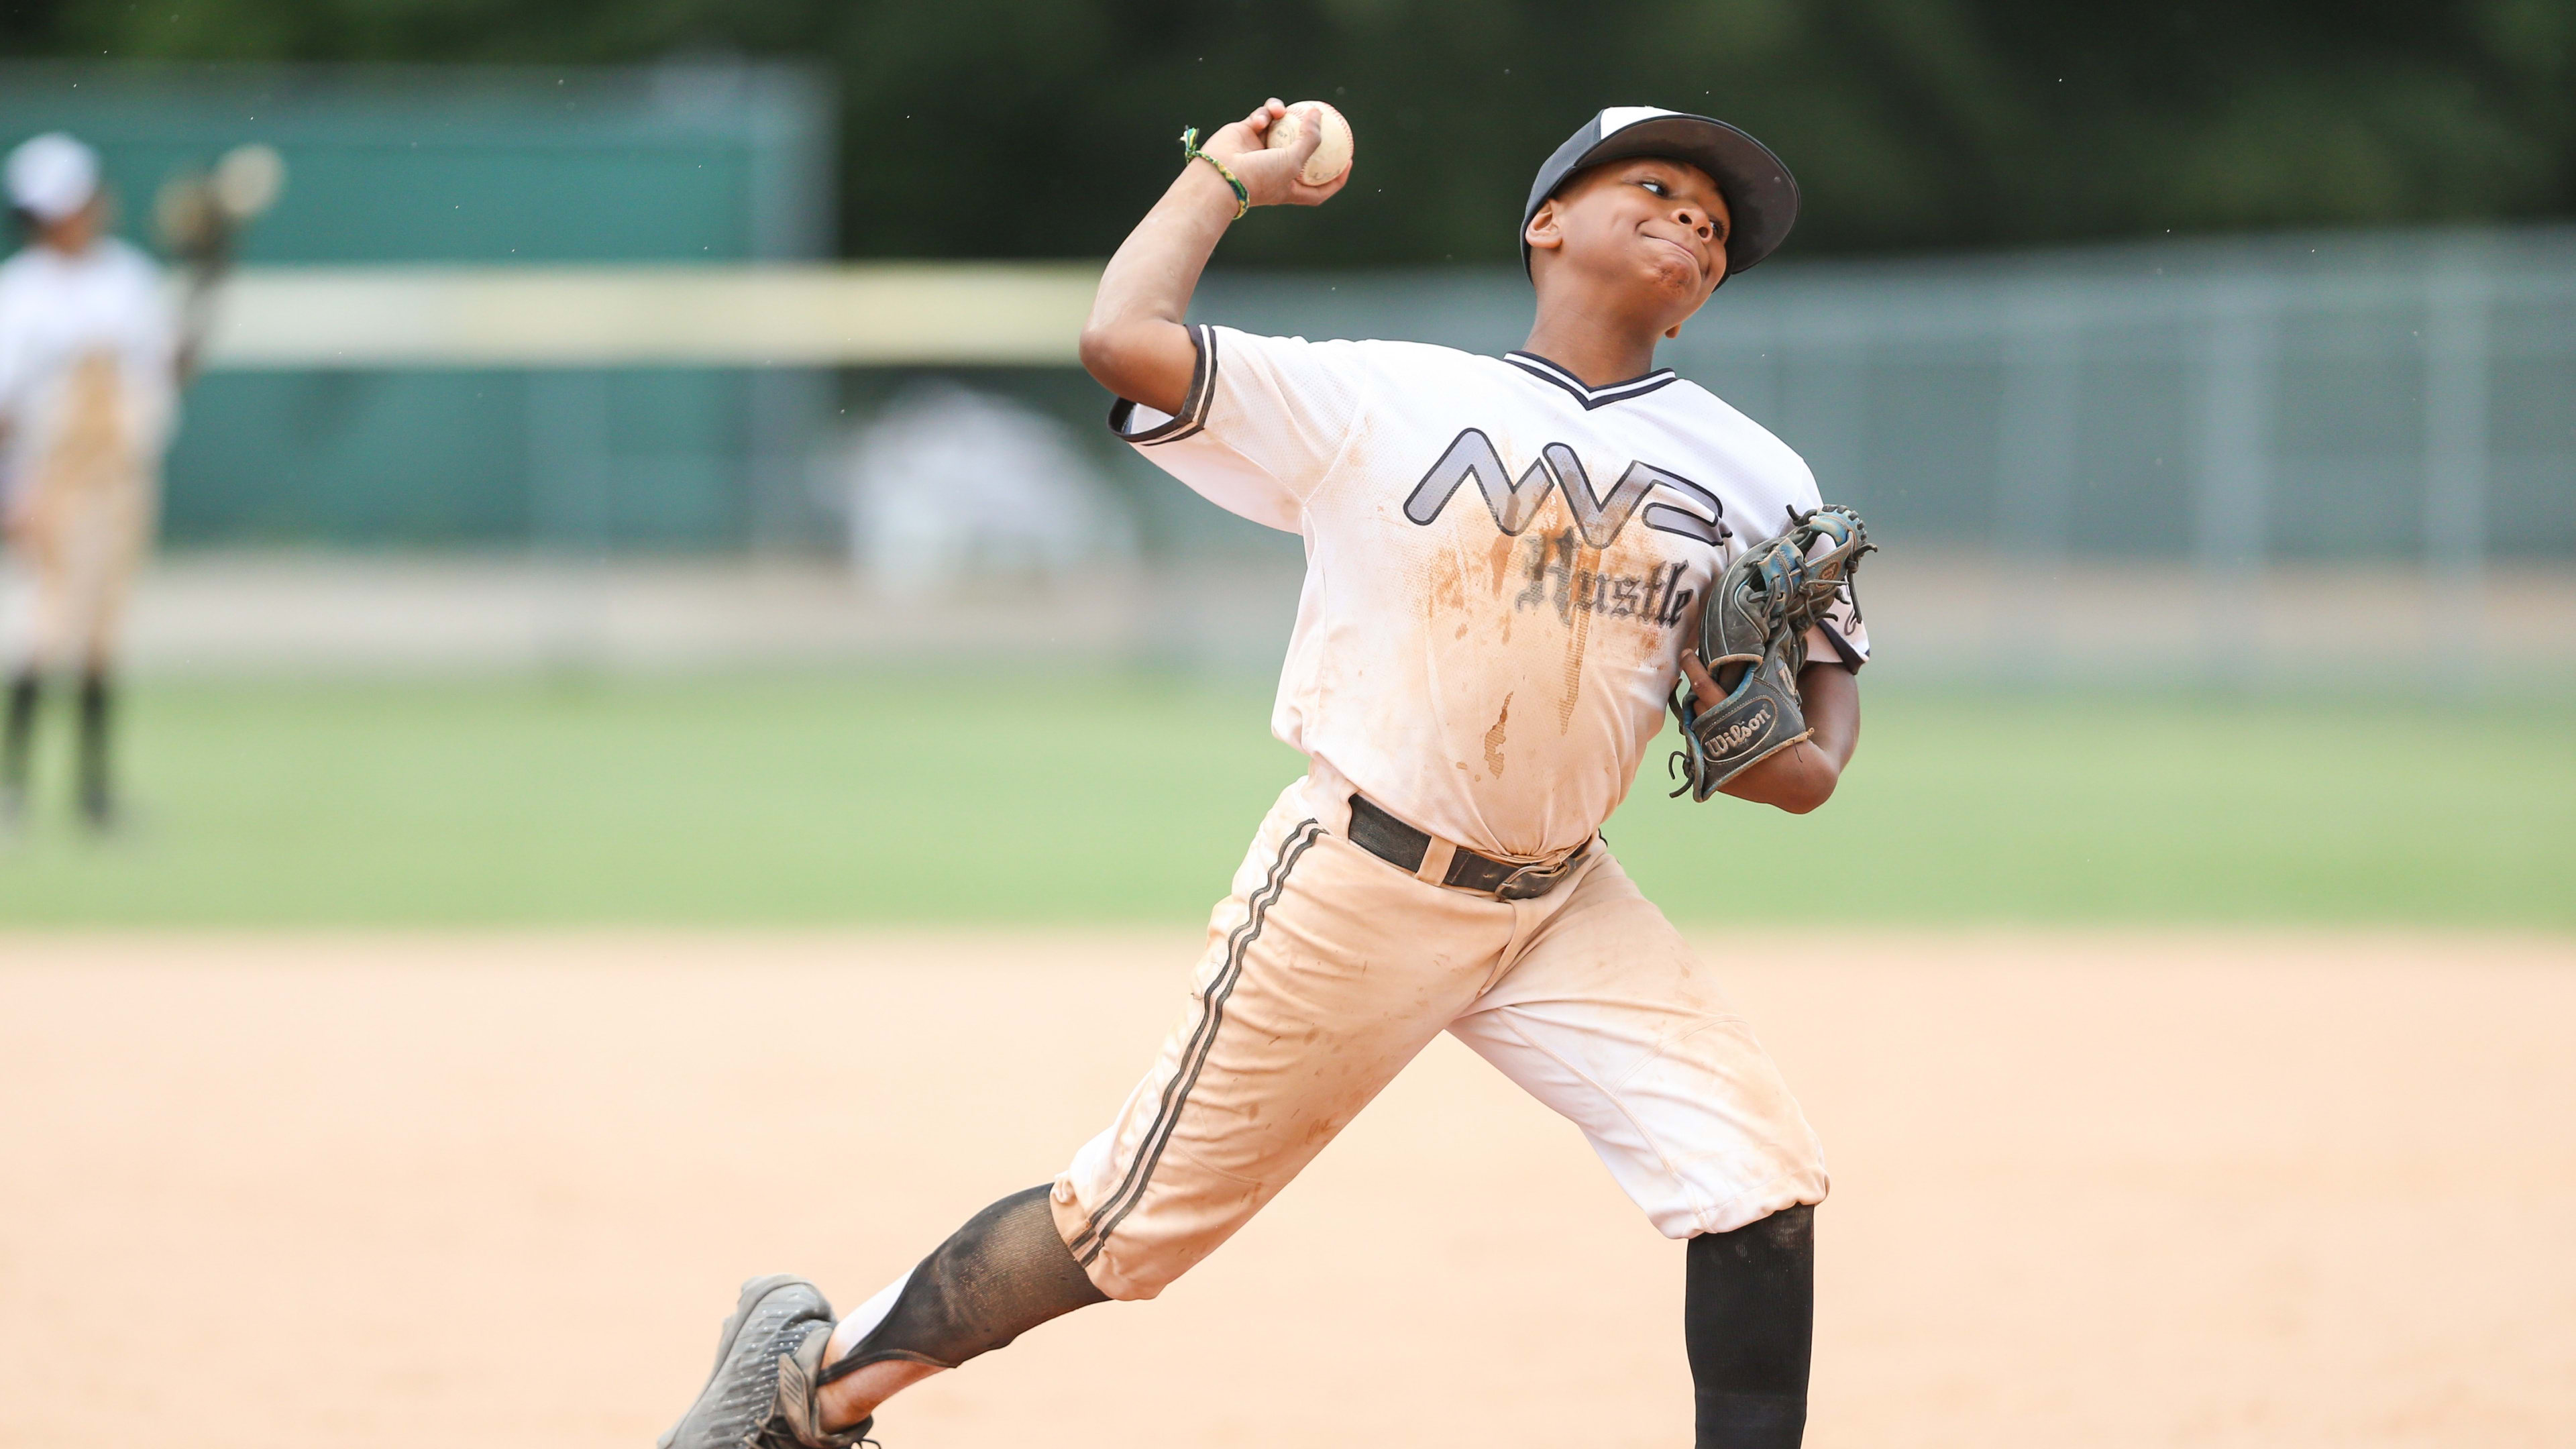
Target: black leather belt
1402,846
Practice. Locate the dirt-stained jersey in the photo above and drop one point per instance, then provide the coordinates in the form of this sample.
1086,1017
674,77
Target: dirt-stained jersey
78,333
1502,564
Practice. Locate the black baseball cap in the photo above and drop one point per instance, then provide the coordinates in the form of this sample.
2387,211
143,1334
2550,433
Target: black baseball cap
1759,190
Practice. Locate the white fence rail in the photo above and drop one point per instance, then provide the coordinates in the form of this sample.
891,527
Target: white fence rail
906,314
2395,396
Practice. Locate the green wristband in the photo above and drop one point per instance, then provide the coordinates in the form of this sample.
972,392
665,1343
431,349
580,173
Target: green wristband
1190,152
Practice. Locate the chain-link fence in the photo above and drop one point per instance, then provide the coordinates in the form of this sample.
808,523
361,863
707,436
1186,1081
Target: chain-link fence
2344,397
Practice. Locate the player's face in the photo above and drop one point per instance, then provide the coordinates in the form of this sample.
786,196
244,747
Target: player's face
1658,225
73,234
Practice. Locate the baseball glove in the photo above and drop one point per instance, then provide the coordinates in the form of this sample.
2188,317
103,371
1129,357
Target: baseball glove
1752,637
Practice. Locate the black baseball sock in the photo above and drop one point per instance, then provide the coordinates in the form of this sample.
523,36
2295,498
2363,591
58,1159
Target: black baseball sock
20,733
1749,1321
95,800
1004,1273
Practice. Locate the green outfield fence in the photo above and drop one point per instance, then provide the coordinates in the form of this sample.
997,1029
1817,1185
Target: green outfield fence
486,167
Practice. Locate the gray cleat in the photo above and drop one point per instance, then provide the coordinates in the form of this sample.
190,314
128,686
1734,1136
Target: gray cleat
740,1406
800,1385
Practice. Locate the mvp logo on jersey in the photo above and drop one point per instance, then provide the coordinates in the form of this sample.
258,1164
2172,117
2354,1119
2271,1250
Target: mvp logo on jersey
1514,503
1556,558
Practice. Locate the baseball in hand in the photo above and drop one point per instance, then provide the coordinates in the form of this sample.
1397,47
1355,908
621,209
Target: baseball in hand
1332,154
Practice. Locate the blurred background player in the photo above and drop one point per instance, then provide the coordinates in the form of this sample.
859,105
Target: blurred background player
90,368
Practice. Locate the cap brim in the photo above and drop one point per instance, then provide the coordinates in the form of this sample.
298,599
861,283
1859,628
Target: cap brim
1761,195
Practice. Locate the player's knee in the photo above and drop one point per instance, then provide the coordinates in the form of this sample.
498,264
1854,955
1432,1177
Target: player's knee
1130,1273
1797,1179
1801,1177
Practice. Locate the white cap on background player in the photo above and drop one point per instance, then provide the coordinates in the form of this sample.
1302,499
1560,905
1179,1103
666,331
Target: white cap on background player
52,176
1760,193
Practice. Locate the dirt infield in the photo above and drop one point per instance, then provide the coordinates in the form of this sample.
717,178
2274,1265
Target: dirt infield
2090,1190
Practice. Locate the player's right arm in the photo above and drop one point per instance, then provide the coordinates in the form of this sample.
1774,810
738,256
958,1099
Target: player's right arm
1135,343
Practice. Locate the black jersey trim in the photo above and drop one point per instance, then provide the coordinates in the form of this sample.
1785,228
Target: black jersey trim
1094,1238
1850,657
1194,408
1591,397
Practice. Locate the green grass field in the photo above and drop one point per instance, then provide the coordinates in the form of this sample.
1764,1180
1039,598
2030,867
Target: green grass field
826,800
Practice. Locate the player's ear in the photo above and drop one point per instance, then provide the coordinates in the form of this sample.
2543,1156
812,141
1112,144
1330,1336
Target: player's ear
1673,331
1545,231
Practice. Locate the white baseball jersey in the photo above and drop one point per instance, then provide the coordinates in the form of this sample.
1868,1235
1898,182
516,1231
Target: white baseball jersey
1502,564
56,312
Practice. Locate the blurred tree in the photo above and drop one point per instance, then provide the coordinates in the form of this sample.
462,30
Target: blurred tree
27,26
1041,127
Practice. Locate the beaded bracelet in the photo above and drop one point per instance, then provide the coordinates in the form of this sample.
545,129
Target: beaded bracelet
1190,152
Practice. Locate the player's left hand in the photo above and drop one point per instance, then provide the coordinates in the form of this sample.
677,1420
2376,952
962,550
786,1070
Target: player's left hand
1803,776
1710,690
1706,692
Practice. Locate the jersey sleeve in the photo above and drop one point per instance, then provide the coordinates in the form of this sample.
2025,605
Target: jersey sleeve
1842,634
1263,422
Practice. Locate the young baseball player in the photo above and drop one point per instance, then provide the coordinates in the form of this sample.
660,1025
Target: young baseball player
1507,559
88,391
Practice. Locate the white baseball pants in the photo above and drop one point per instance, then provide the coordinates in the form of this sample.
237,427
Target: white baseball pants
1328,969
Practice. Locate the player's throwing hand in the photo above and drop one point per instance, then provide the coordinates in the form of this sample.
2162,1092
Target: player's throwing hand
1271,177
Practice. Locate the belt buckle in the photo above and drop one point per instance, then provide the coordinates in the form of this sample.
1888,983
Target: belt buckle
1534,880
